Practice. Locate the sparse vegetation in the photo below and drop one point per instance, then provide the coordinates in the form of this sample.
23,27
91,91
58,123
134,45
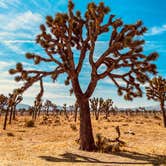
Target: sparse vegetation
30,123
10,134
46,129
73,127
43,140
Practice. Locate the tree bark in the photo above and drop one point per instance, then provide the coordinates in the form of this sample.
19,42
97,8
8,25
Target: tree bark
86,135
14,112
6,117
164,113
11,113
75,114
97,114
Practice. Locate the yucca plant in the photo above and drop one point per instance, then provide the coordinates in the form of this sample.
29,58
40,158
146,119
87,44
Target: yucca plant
157,91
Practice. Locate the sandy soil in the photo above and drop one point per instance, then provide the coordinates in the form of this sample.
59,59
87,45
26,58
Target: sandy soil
54,143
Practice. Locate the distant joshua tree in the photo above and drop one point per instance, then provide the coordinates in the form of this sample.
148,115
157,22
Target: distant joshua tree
65,111
47,106
10,105
107,107
18,99
157,92
3,102
96,105
67,32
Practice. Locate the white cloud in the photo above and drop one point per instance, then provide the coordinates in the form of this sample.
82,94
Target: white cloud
4,64
14,48
25,21
14,35
156,30
6,3
121,82
18,41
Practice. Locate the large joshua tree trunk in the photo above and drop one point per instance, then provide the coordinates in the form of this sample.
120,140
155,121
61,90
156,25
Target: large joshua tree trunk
86,135
164,114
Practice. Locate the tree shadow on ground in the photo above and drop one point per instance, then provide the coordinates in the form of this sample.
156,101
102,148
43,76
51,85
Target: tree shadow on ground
139,159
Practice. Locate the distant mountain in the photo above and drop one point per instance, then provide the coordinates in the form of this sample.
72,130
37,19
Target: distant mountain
21,106
155,107
26,106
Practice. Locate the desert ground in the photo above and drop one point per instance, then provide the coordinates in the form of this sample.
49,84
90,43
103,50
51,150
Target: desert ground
54,142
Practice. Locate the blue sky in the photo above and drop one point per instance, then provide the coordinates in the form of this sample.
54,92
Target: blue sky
20,22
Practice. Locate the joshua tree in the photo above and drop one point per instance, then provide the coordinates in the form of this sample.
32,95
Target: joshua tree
17,101
65,33
65,111
47,106
107,107
3,102
54,108
38,102
96,105
36,109
10,102
157,92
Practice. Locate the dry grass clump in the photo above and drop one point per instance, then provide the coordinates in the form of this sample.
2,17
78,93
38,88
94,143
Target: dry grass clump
10,134
106,145
54,140
46,120
29,123
157,117
73,127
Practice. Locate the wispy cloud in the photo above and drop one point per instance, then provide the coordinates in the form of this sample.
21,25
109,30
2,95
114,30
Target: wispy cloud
14,48
24,21
18,41
156,30
4,64
19,27
6,3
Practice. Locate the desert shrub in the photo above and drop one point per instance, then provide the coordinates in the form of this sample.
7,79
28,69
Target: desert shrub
125,124
57,121
157,117
73,127
108,120
146,116
45,118
30,123
10,134
105,145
